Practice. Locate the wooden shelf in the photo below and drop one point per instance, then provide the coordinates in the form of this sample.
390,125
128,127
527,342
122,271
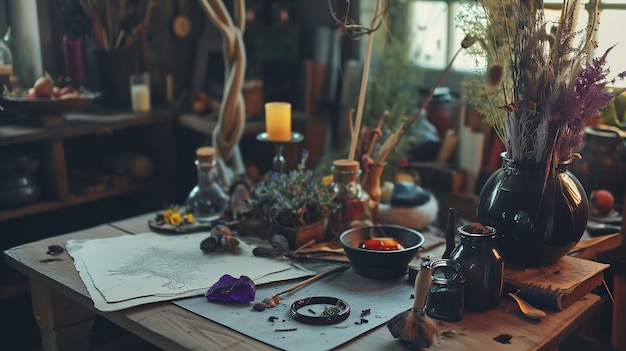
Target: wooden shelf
78,124
45,206
155,128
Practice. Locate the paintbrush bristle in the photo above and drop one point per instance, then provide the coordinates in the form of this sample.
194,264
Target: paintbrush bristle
413,327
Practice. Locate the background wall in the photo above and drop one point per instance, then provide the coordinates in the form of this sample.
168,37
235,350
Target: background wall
39,27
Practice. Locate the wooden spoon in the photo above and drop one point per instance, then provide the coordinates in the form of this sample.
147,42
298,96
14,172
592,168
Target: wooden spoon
528,310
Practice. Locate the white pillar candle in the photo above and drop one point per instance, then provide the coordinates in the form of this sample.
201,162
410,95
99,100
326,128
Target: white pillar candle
140,92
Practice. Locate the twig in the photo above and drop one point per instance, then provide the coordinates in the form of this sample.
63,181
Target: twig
378,132
105,40
120,36
109,37
393,140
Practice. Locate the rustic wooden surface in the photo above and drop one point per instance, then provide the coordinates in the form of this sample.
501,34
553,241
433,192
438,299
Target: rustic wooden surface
61,291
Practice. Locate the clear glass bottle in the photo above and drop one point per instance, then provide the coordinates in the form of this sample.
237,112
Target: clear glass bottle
353,202
206,200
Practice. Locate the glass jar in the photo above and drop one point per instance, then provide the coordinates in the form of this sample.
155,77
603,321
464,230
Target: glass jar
445,298
482,265
206,200
353,208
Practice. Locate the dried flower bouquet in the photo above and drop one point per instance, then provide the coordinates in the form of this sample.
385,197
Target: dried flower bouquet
540,85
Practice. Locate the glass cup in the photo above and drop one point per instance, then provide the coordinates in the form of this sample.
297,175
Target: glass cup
140,92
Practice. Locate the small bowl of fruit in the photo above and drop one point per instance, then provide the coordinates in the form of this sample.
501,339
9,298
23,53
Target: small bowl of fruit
47,98
381,251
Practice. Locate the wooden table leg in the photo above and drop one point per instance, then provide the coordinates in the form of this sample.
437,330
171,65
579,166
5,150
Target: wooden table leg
64,325
619,313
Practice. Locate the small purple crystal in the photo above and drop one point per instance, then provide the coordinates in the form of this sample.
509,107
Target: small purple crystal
230,289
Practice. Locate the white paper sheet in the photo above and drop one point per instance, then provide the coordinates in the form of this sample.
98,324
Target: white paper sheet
382,298
130,270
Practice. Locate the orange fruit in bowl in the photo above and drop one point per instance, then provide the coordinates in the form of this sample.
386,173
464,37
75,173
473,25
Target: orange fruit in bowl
601,202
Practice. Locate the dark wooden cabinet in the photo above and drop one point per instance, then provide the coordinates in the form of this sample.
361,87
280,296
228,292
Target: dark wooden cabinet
80,142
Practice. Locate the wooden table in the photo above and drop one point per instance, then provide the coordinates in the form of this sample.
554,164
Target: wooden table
65,312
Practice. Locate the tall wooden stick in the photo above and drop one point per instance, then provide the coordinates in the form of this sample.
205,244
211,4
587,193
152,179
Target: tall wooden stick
364,79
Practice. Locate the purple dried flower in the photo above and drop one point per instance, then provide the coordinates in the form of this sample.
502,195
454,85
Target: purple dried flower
229,289
587,98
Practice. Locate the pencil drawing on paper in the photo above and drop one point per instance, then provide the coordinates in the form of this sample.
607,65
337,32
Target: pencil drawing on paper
176,269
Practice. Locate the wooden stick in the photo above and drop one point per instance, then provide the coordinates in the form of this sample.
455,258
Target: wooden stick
315,277
379,128
120,36
393,140
364,80
146,19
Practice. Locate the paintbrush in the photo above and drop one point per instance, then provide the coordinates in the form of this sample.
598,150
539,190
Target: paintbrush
272,301
414,326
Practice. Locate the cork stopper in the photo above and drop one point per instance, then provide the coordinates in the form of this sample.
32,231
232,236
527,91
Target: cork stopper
205,158
344,165
205,154
346,170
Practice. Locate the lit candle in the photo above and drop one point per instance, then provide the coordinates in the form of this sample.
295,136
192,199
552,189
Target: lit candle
278,121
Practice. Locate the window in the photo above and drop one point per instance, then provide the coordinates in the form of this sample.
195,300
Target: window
437,38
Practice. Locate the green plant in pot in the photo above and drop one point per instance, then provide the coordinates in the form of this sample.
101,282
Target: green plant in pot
295,204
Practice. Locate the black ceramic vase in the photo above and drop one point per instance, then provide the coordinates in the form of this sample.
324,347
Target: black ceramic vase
538,218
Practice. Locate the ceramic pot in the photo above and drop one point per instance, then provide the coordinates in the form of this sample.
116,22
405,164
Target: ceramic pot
603,163
539,217
300,236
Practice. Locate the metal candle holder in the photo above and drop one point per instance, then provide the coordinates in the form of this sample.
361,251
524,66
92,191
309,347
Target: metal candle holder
278,162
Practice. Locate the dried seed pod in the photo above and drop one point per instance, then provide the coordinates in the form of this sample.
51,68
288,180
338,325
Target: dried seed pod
225,237
229,242
209,244
267,302
221,230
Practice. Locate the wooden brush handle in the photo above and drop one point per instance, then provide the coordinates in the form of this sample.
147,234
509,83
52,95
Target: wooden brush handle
315,277
422,286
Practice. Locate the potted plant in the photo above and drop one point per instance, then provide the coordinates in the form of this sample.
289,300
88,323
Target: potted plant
295,204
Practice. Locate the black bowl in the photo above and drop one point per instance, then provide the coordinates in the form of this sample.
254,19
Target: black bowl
381,264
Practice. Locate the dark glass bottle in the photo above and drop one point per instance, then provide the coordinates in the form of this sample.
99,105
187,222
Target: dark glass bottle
353,202
445,298
483,267
206,200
